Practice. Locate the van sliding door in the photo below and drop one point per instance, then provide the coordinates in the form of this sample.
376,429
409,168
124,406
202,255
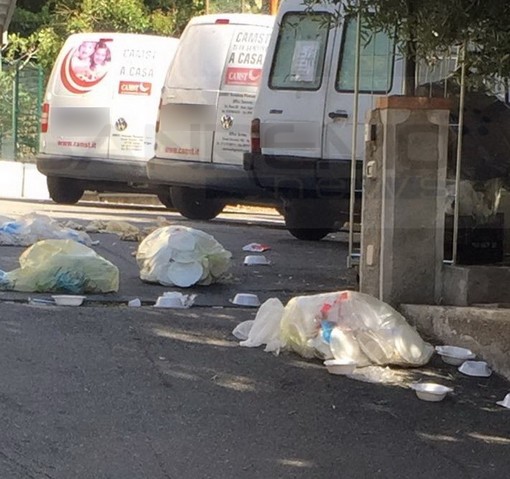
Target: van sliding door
298,80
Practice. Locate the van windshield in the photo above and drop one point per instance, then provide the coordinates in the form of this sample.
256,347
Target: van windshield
299,57
375,60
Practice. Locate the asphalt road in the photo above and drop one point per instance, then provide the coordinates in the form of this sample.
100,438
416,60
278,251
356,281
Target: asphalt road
107,391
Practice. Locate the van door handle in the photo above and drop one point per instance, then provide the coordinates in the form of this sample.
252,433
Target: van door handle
338,114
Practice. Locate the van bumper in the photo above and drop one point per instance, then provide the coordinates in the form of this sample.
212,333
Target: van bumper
301,177
93,169
230,179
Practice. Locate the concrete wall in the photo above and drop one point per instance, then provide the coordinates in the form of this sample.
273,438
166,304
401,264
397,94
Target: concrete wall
22,180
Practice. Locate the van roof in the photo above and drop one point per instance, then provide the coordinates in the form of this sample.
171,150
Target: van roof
136,36
235,18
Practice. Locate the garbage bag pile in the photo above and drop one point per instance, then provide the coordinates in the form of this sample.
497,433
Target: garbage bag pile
344,325
61,266
34,227
181,256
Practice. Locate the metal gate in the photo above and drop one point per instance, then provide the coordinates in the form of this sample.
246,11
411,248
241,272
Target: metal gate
21,92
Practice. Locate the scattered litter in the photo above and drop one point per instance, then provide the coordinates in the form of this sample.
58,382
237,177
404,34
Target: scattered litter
256,247
125,230
505,402
431,391
29,229
40,301
340,366
174,299
454,355
68,300
478,369
246,299
256,260
265,329
73,225
181,256
346,325
242,330
134,303
61,266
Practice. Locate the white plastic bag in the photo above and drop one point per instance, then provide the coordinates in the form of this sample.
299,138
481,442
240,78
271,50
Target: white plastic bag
61,266
266,327
181,256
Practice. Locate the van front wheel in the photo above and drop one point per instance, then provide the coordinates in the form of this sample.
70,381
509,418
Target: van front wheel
65,191
308,219
196,203
166,199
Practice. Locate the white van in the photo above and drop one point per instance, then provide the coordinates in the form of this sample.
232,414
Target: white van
303,118
99,114
206,111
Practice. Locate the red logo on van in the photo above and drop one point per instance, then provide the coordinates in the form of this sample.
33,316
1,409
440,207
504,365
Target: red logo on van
135,88
85,66
243,76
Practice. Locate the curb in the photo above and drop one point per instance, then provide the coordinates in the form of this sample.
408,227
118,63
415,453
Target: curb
486,331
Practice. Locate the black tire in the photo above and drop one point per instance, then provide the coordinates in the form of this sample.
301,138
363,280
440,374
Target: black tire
166,199
64,191
196,203
309,219
309,234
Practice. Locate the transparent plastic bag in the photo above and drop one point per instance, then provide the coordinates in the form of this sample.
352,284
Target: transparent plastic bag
356,326
34,227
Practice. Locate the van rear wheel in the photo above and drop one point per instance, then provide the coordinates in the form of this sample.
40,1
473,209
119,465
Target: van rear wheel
196,203
65,191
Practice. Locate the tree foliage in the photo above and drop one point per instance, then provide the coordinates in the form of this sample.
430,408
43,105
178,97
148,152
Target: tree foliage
38,29
426,29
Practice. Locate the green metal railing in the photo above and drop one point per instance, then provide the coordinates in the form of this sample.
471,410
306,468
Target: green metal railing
21,94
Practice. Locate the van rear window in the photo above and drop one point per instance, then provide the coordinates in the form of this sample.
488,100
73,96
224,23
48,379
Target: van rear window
375,60
299,57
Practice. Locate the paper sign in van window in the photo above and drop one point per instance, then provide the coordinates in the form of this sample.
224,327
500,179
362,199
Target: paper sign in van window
304,60
86,65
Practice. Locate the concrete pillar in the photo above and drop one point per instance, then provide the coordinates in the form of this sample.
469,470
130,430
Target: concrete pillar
404,183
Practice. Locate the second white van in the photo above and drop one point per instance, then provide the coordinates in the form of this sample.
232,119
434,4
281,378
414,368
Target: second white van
206,111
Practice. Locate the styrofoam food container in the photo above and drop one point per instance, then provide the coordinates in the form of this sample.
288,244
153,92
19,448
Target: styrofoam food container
454,355
246,299
431,391
166,301
505,402
478,369
68,299
256,260
340,366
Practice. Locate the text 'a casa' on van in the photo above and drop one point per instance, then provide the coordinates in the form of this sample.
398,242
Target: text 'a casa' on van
205,114
302,131
99,114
